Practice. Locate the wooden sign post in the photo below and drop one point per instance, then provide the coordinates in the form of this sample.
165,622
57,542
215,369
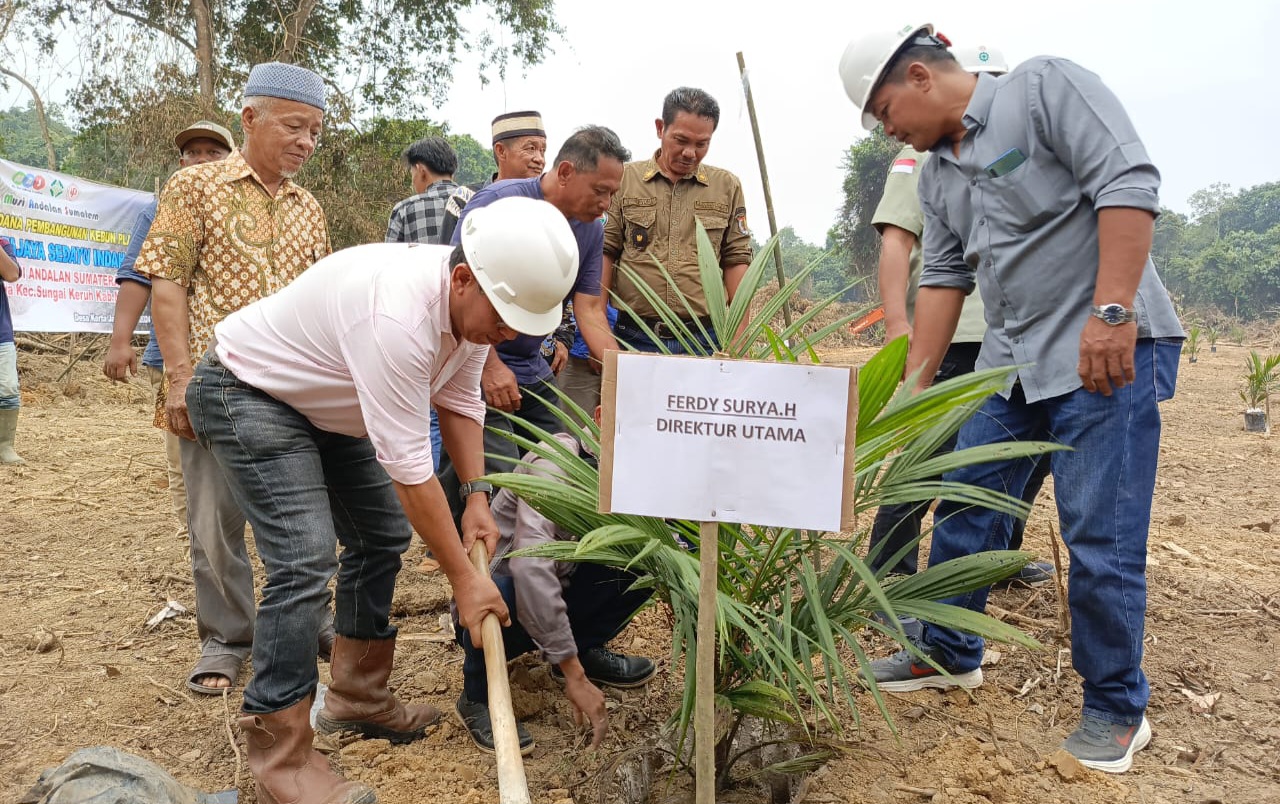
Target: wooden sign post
716,440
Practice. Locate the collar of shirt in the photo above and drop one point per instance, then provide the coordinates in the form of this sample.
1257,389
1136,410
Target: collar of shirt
235,168
975,114
650,171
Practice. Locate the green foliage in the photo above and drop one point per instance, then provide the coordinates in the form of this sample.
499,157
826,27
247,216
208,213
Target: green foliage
1192,346
386,57
22,142
792,604
1228,255
865,166
828,277
1261,379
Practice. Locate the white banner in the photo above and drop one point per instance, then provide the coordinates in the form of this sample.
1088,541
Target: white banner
71,235
728,440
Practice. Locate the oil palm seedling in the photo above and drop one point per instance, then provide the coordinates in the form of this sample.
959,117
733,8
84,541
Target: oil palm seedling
794,605
1261,379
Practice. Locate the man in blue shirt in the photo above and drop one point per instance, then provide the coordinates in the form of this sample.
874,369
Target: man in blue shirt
1041,191
516,379
200,142
10,271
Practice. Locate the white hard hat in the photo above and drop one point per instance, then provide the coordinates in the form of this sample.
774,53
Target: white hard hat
980,59
865,59
525,258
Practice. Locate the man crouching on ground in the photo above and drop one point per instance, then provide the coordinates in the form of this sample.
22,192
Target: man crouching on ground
567,610
315,403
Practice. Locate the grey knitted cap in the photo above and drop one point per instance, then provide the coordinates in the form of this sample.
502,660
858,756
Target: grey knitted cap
276,79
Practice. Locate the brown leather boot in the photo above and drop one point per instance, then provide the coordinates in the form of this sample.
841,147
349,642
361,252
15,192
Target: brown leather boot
285,766
358,699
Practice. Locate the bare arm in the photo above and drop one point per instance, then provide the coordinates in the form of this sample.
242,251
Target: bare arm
894,275
606,277
173,329
122,359
498,384
1106,352
937,312
593,323
428,512
464,440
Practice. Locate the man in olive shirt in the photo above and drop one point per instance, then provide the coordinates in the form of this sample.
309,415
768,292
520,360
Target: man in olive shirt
652,222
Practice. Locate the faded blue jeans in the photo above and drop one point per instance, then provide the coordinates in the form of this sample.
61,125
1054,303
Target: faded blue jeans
9,398
1103,487
305,491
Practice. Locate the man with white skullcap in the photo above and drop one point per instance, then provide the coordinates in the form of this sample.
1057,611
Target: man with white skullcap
226,234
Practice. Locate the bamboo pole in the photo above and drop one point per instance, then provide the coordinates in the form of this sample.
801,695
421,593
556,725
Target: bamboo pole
513,787
704,713
764,180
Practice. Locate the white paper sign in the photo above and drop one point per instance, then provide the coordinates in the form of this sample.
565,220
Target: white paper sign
729,441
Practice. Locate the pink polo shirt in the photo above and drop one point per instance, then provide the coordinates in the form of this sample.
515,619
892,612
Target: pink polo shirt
361,345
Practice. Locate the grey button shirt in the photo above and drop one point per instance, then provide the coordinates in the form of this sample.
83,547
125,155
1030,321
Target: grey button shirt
1031,232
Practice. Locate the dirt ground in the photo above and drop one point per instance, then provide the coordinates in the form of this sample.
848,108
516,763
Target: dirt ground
89,553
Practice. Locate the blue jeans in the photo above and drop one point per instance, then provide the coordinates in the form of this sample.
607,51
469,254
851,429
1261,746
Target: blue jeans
305,491
437,441
896,528
9,399
1103,488
599,602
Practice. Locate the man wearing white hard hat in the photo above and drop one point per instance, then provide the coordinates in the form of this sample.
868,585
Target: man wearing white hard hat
315,403
1040,192
900,222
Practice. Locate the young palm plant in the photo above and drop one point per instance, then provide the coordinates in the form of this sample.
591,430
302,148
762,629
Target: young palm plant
792,603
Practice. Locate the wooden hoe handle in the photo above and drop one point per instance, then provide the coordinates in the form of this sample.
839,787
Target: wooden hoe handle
513,787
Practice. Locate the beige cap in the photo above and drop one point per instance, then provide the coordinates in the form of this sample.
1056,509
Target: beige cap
206,129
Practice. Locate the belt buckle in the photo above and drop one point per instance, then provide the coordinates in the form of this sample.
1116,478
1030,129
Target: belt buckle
662,331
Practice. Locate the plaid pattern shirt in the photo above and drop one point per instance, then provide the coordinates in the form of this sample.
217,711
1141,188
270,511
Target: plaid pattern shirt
419,218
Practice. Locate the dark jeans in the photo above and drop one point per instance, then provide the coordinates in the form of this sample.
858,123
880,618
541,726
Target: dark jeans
599,605
537,400
896,528
305,491
1103,486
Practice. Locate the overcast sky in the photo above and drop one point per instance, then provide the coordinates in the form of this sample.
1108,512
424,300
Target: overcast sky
1197,77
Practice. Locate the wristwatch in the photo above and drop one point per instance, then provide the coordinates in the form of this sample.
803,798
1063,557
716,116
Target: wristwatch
475,487
1113,315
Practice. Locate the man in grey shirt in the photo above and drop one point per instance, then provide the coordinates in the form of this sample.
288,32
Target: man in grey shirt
1040,186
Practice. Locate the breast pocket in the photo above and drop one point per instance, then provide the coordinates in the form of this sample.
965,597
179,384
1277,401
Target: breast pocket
638,218
1033,194
715,219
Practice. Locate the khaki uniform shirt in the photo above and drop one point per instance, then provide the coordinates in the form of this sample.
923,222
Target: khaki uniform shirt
220,234
900,206
651,222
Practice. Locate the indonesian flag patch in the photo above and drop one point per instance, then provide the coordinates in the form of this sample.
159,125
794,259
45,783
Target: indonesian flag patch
903,166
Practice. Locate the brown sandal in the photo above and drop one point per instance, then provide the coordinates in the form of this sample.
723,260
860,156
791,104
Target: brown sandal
226,665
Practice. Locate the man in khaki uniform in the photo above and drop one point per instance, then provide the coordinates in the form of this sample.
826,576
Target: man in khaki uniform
652,222
900,221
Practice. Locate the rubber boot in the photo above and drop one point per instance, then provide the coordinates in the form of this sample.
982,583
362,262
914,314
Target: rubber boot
8,430
287,769
358,698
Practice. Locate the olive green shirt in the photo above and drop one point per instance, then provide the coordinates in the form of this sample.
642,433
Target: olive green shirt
651,221
900,206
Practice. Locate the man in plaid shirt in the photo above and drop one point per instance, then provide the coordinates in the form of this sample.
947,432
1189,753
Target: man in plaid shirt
418,218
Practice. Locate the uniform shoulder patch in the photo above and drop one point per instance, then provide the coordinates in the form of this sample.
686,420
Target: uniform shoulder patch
740,216
904,165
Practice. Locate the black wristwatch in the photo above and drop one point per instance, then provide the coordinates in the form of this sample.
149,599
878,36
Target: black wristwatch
475,487
1113,315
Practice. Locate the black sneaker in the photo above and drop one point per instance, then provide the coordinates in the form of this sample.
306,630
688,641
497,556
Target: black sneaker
474,716
1107,747
1033,575
603,666
902,672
